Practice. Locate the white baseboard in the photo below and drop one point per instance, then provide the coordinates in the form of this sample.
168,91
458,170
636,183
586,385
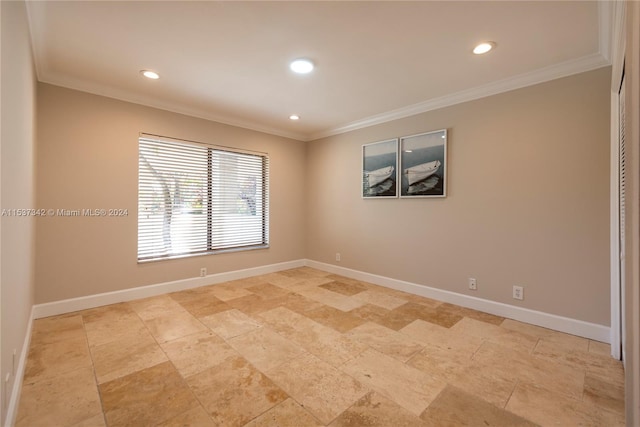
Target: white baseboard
559,323
551,321
12,408
91,301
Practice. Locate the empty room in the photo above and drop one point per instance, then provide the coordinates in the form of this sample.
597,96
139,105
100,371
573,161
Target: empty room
301,213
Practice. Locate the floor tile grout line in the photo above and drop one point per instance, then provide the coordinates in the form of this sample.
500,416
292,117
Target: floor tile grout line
93,369
350,406
59,375
193,394
513,390
584,386
543,386
226,340
533,350
122,376
338,368
168,360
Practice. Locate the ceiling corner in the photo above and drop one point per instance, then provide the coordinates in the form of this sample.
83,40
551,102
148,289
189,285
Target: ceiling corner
617,42
606,24
36,45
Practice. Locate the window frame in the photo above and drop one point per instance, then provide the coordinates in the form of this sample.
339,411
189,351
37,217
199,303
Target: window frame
211,150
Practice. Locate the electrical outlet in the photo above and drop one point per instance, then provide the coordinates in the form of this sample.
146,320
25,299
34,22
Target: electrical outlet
338,256
203,272
473,285
518,292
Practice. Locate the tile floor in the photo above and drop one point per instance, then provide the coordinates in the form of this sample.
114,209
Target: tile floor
305,348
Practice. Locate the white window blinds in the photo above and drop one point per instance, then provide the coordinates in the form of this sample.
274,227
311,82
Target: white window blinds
195,199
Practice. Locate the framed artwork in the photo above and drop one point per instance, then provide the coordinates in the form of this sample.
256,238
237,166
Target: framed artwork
423,165
380,169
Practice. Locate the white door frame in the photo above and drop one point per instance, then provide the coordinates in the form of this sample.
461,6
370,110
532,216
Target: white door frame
617,60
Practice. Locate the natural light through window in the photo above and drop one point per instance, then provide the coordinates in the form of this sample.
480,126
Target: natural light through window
196,199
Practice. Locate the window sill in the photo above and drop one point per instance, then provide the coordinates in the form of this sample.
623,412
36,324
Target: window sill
215,252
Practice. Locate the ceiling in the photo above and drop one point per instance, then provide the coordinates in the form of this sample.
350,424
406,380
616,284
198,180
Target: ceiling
375,61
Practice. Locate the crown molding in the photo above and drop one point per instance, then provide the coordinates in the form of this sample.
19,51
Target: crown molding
121,95
45,75
563,69
609,13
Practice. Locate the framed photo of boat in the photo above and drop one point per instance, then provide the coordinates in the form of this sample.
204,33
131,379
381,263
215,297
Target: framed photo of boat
423,165
380,169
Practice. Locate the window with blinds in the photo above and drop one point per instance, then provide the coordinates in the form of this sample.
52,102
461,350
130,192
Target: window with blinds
198,199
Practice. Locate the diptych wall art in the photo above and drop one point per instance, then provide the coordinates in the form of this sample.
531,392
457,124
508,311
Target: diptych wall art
410,167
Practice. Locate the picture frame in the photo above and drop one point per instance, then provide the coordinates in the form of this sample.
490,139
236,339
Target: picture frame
423,165
380,169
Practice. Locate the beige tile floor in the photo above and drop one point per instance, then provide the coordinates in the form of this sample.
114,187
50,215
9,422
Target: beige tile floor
304,348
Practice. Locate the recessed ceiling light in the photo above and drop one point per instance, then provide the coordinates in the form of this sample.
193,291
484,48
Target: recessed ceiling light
150,74
294,117
483,48
301,66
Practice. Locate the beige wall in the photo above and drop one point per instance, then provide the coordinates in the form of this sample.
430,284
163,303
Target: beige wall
528,201
17,184
88,158
632,233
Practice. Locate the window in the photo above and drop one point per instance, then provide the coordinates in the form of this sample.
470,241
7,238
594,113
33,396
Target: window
198,199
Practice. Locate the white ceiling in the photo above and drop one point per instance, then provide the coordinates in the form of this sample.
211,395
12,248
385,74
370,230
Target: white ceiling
375,61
